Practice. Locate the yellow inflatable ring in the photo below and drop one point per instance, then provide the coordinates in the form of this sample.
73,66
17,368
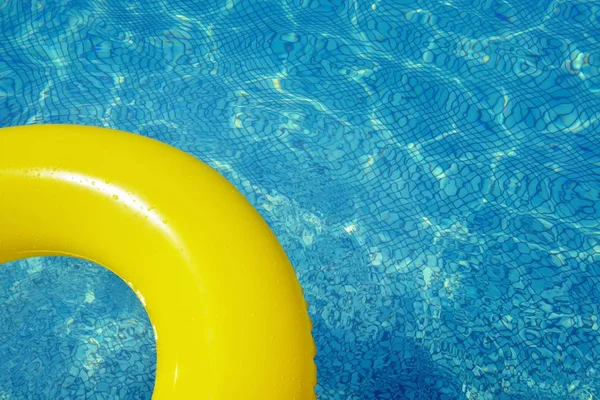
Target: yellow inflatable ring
229,316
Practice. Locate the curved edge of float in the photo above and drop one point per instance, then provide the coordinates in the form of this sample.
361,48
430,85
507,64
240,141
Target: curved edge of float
228,312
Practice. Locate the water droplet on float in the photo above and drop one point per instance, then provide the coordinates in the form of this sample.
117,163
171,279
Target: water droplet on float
115,197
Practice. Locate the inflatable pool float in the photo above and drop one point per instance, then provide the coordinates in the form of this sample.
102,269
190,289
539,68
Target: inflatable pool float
229,316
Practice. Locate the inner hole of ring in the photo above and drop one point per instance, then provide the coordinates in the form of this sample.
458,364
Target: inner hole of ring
70,328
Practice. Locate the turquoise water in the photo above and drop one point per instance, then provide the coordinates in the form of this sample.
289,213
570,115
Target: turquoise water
432,169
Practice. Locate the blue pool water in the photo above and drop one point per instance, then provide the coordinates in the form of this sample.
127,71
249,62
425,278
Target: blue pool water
432,169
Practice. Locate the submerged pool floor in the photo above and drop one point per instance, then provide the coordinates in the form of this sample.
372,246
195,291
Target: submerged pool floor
432,169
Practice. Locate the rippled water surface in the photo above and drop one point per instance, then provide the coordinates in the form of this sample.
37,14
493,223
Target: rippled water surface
432,169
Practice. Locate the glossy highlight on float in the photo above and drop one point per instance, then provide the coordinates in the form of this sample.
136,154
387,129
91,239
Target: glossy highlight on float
228,312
